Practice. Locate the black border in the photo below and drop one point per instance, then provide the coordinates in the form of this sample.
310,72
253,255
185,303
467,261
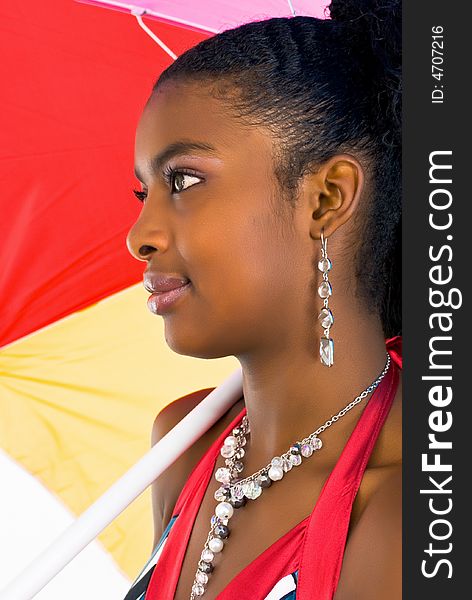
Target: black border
429,127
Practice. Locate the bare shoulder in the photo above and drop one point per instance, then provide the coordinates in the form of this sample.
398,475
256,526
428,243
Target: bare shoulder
164,492
372,564
167,487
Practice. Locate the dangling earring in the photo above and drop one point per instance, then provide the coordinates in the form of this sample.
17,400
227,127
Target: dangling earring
325,317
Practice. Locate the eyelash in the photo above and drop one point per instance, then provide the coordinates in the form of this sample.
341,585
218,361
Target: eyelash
169,174
141,196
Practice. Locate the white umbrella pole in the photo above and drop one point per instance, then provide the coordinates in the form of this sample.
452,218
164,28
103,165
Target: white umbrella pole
114,501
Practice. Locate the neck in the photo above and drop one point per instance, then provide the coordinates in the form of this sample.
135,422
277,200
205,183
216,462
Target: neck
288,393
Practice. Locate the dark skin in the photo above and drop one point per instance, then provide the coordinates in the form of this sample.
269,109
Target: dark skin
252,262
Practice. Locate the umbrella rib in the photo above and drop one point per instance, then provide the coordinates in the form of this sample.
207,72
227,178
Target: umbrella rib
152,35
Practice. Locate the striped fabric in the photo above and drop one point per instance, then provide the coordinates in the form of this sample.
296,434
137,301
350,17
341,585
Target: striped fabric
284,589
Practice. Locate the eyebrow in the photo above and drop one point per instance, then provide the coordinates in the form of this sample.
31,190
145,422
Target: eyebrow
175,149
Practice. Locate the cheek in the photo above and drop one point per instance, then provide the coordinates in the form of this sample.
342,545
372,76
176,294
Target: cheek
241,264
244,273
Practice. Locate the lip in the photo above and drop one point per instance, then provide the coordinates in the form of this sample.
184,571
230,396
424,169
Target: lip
165,290
160,302
160,282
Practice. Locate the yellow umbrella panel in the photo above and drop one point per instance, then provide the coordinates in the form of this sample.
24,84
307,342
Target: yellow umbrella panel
77,410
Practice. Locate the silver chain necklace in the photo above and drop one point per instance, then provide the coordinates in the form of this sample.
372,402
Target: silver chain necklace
235,492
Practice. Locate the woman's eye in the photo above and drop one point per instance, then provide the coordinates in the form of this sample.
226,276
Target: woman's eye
179,180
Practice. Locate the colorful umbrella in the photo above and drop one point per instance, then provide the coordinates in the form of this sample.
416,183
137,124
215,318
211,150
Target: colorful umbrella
76,340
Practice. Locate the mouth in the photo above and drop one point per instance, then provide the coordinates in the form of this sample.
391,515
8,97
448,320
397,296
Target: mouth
160,302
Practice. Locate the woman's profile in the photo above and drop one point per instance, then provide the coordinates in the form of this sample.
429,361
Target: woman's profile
270,162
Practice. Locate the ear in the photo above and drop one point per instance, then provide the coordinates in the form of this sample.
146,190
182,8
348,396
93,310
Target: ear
333,193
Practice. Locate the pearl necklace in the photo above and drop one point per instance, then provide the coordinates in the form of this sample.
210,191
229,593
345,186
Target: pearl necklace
235,492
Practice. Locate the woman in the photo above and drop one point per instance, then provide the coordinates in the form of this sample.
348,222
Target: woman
262,151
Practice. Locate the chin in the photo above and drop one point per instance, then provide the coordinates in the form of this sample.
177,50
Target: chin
194,344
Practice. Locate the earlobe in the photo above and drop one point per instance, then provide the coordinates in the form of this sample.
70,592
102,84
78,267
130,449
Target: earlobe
335,193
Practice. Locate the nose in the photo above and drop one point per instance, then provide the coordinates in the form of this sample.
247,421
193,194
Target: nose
146,236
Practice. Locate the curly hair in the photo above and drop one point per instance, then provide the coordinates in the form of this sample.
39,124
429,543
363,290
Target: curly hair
323,87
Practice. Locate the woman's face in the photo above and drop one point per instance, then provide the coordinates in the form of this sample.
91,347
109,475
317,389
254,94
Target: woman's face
220,224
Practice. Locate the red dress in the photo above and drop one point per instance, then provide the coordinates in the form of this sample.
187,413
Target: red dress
310,554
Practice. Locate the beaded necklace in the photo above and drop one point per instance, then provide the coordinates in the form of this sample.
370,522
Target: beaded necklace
235,491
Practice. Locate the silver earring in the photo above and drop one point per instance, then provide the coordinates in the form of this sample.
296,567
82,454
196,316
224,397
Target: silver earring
325,317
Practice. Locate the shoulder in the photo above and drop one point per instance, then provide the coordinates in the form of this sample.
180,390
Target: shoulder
167,487
165,490
174,412
372,564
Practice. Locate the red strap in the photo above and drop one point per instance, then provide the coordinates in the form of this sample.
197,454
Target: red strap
326,533
164,579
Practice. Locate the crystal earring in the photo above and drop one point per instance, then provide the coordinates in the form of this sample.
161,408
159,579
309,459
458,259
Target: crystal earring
325,317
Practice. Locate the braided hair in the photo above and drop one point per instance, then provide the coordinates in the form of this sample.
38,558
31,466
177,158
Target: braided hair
323,87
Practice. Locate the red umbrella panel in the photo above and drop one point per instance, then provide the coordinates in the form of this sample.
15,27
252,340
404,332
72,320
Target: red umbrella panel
77,342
